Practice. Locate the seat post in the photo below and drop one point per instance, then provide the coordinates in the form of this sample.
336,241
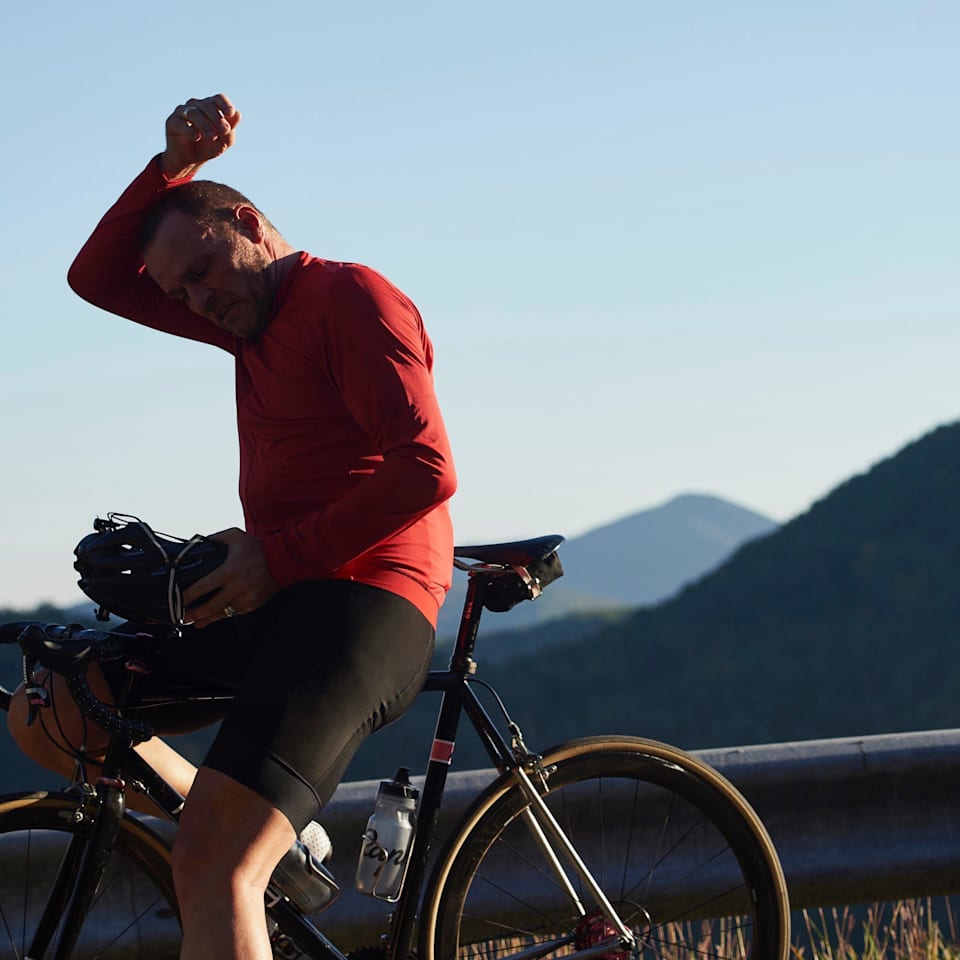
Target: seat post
462,657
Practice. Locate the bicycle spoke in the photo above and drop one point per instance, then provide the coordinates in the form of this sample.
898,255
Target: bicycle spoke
132,916
17,954
142,915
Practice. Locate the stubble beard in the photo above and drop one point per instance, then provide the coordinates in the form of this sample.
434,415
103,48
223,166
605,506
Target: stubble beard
262,293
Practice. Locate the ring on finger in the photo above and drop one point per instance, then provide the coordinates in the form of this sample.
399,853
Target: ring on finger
229,611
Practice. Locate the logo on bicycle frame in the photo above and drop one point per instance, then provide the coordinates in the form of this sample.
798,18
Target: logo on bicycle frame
441,751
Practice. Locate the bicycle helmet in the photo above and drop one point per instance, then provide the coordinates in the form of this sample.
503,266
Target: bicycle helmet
138,574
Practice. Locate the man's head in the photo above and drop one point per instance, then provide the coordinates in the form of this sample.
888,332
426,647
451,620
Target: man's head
206,245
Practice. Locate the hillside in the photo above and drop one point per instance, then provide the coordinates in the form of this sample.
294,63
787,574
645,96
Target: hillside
840,623
843,622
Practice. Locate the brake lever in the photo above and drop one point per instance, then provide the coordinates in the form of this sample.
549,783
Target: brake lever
37,695
65,651
46,645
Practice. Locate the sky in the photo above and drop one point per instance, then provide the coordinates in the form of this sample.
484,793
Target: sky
660,248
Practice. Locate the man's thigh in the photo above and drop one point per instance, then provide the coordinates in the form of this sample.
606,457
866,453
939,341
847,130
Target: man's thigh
338,661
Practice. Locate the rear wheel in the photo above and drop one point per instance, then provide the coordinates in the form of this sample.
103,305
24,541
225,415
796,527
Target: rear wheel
134,914
682,857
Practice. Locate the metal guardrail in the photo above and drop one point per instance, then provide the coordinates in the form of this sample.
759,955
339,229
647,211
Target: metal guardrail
854,820
860,819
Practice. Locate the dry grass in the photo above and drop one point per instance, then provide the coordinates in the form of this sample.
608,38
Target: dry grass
905,930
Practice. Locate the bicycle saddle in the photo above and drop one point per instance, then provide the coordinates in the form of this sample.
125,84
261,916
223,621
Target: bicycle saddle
517,553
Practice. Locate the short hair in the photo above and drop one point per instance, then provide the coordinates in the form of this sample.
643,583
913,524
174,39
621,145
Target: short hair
210,204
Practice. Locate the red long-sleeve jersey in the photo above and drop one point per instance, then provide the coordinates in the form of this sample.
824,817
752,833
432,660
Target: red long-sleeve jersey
345,465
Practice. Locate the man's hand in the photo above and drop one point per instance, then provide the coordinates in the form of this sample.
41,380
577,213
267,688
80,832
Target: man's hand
240,584
198,131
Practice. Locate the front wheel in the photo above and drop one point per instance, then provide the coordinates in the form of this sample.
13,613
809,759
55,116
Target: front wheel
134,914
678,852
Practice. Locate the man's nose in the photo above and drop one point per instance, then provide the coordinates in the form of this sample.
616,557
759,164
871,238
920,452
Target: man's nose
198,297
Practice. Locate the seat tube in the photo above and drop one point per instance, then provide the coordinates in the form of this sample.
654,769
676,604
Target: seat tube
441,754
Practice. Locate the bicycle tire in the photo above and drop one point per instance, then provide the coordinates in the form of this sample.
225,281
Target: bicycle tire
134,915
698,849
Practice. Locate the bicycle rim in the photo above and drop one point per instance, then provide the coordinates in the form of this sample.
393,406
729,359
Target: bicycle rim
679,853
134,915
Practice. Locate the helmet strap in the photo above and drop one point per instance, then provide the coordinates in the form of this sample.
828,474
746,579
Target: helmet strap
174,594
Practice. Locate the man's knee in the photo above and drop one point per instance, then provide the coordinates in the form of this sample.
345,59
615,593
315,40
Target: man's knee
228,836
196,862
206,865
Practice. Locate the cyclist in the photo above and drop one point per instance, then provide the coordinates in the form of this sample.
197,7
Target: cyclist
323,613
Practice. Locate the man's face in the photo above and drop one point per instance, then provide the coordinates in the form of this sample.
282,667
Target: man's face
219,273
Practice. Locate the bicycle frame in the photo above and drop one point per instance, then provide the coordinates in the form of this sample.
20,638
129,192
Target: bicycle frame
83,866
458,698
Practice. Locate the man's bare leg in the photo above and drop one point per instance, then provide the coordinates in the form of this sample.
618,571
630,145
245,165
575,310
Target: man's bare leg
229,842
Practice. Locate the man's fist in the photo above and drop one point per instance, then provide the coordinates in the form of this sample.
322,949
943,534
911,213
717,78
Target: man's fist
198,131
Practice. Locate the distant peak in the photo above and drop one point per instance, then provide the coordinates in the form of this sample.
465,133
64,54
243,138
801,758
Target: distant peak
692,501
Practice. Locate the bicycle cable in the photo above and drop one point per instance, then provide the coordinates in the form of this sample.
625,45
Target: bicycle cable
496,696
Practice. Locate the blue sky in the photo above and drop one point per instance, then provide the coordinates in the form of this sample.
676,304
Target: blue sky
659,247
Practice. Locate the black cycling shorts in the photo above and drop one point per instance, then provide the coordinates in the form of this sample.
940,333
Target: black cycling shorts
313,672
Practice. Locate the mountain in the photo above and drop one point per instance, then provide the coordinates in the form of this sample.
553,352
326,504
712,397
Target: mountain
638,560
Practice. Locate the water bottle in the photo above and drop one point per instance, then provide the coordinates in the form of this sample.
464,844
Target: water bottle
385,849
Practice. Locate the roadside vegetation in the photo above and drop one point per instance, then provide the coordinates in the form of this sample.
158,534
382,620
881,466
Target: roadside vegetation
906,930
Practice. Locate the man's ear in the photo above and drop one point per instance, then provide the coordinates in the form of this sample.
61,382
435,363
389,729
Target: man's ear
249,222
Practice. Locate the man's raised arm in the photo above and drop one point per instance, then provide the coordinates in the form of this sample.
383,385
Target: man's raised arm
108,270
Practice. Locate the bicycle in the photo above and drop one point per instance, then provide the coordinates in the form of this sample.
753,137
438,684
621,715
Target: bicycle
607,847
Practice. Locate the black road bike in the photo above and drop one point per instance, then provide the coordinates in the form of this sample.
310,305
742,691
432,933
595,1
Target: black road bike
608,847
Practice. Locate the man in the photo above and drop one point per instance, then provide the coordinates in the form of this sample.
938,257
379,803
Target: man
345,469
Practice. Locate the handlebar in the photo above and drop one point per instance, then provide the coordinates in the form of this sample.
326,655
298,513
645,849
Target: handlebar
67,650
